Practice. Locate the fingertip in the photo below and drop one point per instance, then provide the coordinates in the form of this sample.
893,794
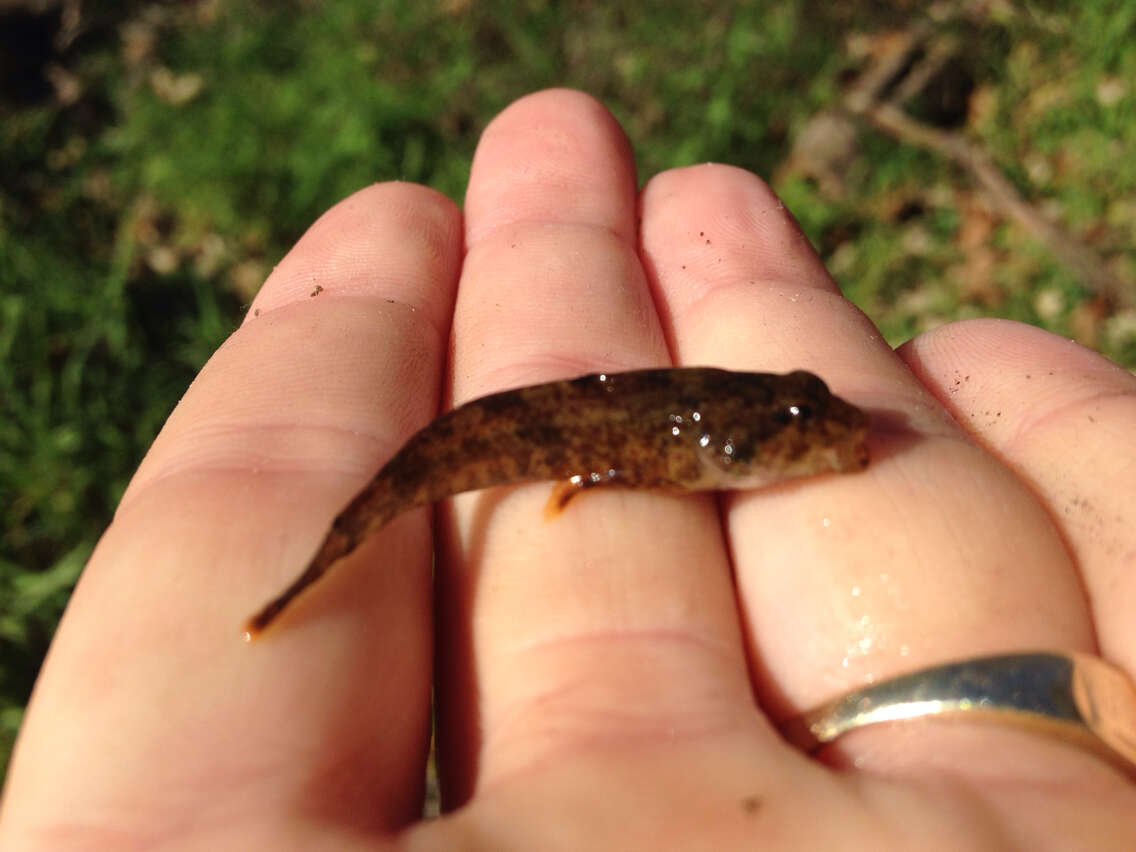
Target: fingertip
713,224
556,156
369,243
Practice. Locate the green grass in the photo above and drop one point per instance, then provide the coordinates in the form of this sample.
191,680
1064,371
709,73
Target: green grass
136,222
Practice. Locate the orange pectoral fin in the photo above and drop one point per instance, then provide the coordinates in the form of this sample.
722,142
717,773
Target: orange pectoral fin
563,492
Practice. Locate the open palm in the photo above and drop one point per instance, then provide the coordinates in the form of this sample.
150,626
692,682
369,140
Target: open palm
611,678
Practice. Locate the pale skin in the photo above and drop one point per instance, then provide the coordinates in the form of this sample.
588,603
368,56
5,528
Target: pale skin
607,679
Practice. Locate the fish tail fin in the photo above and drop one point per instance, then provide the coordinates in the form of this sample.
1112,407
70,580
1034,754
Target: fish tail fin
346,533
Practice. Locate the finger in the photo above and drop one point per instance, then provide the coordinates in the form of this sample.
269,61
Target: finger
594,625
936,552
1063,418
152,718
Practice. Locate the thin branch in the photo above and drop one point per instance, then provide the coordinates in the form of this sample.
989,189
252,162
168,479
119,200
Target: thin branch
864,102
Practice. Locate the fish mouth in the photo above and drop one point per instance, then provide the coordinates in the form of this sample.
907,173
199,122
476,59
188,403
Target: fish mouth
848,447
850,454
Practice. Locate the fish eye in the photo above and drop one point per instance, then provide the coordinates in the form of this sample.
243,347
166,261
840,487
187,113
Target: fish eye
740,452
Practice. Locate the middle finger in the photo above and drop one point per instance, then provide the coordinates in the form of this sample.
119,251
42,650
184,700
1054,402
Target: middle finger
591,627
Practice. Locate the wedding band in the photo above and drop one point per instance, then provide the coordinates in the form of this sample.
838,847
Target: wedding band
1075,697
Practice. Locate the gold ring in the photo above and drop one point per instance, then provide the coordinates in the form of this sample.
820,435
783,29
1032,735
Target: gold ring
1076,697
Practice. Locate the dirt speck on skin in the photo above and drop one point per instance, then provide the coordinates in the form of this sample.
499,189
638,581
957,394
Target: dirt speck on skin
316,291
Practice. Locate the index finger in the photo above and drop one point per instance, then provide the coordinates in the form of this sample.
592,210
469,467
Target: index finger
151,715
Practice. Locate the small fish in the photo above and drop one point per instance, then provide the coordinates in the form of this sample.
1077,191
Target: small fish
677,429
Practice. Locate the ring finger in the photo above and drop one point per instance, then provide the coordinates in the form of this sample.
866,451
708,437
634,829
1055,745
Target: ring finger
937,552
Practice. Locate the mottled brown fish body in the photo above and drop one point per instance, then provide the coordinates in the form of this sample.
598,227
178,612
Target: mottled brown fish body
692,428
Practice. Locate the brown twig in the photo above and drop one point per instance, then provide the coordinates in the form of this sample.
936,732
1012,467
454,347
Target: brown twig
1072,252
867,103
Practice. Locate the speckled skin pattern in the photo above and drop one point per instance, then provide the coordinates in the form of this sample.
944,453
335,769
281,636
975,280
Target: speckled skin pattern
677,429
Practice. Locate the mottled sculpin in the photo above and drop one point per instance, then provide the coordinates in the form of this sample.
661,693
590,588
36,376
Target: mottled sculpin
680,429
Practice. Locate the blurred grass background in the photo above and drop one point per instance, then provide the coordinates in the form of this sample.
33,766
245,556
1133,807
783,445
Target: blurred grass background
157,158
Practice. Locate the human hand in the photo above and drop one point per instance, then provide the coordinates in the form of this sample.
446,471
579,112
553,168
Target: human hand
609,679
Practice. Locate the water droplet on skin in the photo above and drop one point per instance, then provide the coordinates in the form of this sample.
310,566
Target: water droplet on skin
826,522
